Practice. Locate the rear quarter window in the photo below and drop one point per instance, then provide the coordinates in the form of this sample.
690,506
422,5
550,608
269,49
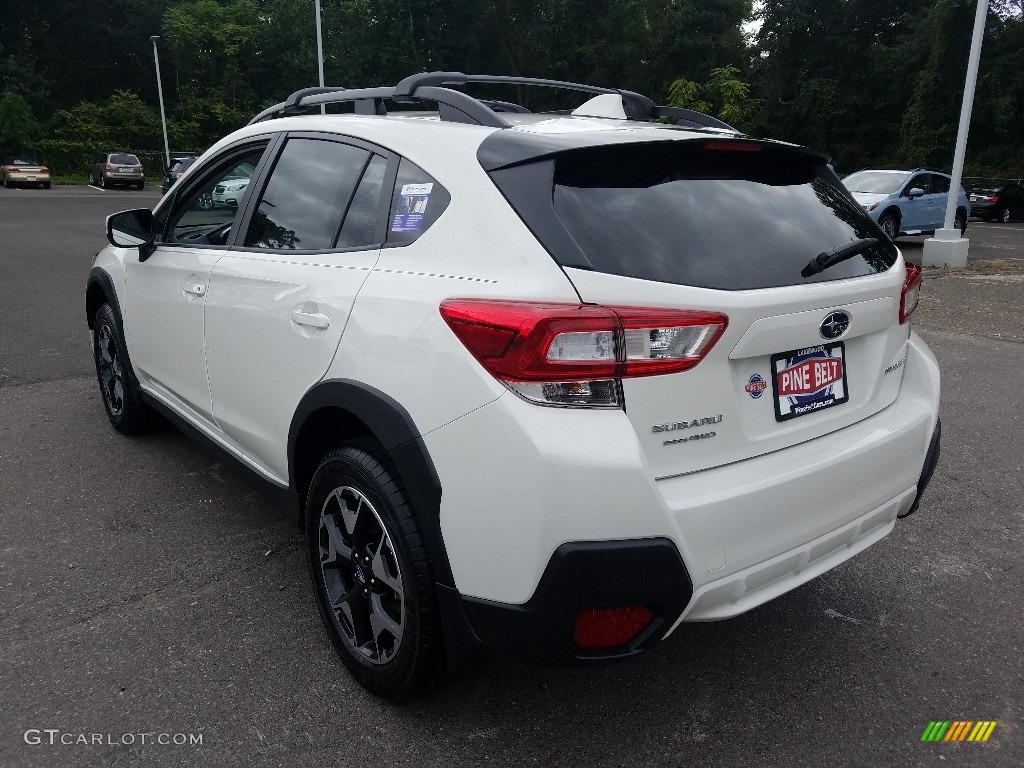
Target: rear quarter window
417,202
688,213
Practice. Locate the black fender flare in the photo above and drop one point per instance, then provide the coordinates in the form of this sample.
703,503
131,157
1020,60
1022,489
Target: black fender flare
395,430
98,275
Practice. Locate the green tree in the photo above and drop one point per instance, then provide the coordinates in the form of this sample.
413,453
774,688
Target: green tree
18,126
929,127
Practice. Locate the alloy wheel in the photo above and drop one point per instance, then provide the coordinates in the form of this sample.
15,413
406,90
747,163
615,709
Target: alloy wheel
361,575
111,371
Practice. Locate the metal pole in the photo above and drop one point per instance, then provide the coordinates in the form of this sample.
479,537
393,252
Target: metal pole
320,51
160,91
965,112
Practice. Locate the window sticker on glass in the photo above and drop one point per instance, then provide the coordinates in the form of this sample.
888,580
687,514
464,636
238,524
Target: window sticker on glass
411,207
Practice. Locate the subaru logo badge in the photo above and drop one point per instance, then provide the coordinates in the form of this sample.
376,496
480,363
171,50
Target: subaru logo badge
834,325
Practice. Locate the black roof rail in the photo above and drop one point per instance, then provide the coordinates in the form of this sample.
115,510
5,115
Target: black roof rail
456,106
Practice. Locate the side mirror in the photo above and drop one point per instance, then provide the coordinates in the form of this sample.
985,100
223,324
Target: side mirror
915,192
131,229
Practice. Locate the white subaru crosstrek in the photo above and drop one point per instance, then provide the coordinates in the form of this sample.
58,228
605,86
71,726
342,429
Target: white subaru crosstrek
543,385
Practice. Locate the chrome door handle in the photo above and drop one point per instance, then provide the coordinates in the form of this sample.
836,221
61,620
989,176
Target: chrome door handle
196,289
311,319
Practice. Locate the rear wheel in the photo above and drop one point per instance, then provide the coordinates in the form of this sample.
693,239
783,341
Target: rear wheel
960,222
371,575
46,185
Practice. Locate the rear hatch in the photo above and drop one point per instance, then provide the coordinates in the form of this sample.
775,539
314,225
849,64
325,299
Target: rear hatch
729,226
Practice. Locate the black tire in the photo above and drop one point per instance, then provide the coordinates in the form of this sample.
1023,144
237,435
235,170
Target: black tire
7,183
121,396
46,185
140,186
960,221
889,225
371,574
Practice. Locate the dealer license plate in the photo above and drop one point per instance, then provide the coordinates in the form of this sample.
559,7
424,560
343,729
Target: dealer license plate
809,380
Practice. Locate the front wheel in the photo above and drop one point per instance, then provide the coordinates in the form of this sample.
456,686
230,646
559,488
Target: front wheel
960,222
371,575
889,226
122,397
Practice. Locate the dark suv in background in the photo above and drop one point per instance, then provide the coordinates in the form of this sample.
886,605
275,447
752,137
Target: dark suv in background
176,170
996,199
117,169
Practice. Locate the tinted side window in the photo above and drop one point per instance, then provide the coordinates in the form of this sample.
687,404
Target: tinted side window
940,184
306,197
360,227
417,202
206,212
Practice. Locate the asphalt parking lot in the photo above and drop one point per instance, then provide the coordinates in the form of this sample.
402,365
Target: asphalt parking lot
148,588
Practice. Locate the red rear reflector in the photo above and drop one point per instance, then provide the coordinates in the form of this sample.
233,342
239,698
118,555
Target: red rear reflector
911,293
733,146
609,627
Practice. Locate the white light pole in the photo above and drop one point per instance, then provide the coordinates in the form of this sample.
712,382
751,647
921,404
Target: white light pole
949,248
160,92
320,52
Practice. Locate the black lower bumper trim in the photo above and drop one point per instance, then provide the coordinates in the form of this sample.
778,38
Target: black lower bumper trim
579,576
931,459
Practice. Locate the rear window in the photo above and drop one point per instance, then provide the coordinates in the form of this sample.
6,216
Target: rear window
124,160
696,213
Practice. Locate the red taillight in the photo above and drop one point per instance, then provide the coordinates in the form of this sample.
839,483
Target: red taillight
575,354
44,169
522,341
108,167
14,170
911,293
610,627
138,169
994,199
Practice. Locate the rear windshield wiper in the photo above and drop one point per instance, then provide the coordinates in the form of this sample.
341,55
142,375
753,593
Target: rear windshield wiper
829,258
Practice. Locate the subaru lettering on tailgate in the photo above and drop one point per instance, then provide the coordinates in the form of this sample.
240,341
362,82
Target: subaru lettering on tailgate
808,380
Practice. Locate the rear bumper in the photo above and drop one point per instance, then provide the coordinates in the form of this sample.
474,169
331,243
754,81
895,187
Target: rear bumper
743,533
